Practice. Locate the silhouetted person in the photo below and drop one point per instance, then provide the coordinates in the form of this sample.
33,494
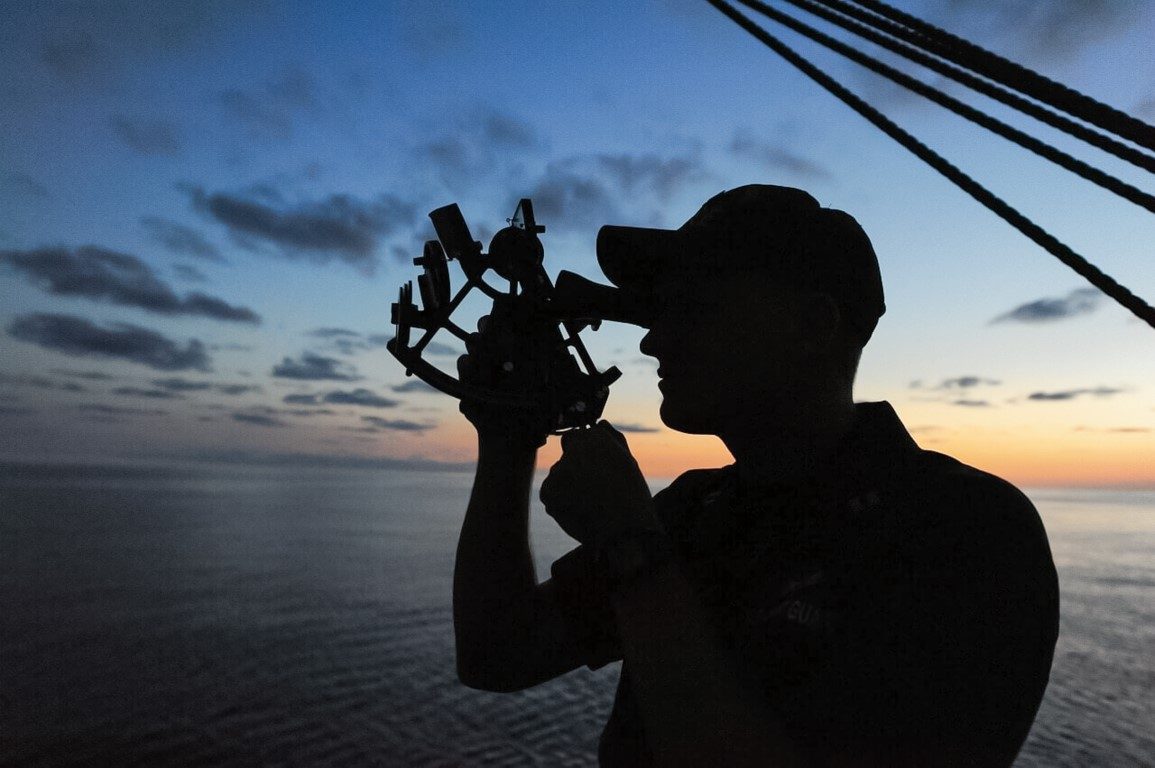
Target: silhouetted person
837,596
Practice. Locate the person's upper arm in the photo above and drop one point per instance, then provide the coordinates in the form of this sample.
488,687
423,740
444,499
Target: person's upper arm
567,624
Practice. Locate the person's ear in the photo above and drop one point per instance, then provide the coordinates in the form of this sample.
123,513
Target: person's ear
821,321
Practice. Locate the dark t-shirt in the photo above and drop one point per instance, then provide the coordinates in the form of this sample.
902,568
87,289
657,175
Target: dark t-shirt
899,606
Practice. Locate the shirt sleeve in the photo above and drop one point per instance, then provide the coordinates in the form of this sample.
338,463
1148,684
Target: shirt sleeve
586,606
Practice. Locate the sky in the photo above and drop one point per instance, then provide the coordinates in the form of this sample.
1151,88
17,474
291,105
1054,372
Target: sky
206,210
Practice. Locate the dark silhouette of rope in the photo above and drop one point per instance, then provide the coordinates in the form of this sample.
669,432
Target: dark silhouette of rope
1102,141
1041,148
970,56
1053,245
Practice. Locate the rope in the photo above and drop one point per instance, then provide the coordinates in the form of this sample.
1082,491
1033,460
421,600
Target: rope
1026,81
1053,245
1076,166
1055,120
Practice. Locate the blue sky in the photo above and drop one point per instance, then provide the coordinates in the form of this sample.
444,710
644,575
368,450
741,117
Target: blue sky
227,195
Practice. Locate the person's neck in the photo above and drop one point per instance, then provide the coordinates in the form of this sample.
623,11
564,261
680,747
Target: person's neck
788,445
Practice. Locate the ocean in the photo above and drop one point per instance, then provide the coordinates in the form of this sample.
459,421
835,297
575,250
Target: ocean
240,615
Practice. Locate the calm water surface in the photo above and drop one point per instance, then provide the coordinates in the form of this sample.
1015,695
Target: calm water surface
277,616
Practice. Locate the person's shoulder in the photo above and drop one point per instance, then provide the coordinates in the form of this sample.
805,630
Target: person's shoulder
970,493
973,512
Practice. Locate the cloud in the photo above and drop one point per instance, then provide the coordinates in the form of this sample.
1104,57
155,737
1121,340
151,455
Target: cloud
438,349
329,333
1071,394
176,384
78,39
236,389
68,54
1082,301
339,227
972,403
97,273
1117,430
89,375
76,336
259,419
1050,31
363,397
40,382
640,428
959,382
478,143
234,456
180,239
313,367
147,136
21,185
188,272
269,110
396,425
301,399
775,156
413,385
155,394
113,410
585,191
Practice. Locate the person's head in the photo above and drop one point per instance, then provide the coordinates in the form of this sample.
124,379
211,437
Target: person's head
761,302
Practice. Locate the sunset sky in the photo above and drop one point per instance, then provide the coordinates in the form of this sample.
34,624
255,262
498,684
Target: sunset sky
207,208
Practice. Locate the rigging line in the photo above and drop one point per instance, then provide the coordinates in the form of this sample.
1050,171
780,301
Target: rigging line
1022,79
1054,119
1060,158
1053,245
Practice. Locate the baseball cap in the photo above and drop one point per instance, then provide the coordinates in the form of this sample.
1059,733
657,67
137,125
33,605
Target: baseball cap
780,232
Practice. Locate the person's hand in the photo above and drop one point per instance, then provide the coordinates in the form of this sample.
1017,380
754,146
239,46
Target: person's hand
509,425
596,491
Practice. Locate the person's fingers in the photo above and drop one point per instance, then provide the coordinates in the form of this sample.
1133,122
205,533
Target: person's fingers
466,367
609,429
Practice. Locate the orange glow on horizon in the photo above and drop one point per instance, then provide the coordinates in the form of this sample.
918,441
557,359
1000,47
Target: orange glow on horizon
1042,457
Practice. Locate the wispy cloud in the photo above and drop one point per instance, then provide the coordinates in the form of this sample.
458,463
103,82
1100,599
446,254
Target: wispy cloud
587,191
40,382
147,136
76,336
268,111
413,385
1050,31
958,382
1082,301
311,367
396,425
189,273
97,273
21,185
1071,394
176,384
363,397
258,419
153,394
181,239
339,227
640,428
776,156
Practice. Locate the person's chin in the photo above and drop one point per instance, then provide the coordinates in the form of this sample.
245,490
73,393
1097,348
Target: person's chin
680,418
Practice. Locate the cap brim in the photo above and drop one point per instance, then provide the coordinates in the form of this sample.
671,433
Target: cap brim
634,257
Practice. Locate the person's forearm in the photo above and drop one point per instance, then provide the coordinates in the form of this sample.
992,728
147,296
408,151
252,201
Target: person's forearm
695,708
494,577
